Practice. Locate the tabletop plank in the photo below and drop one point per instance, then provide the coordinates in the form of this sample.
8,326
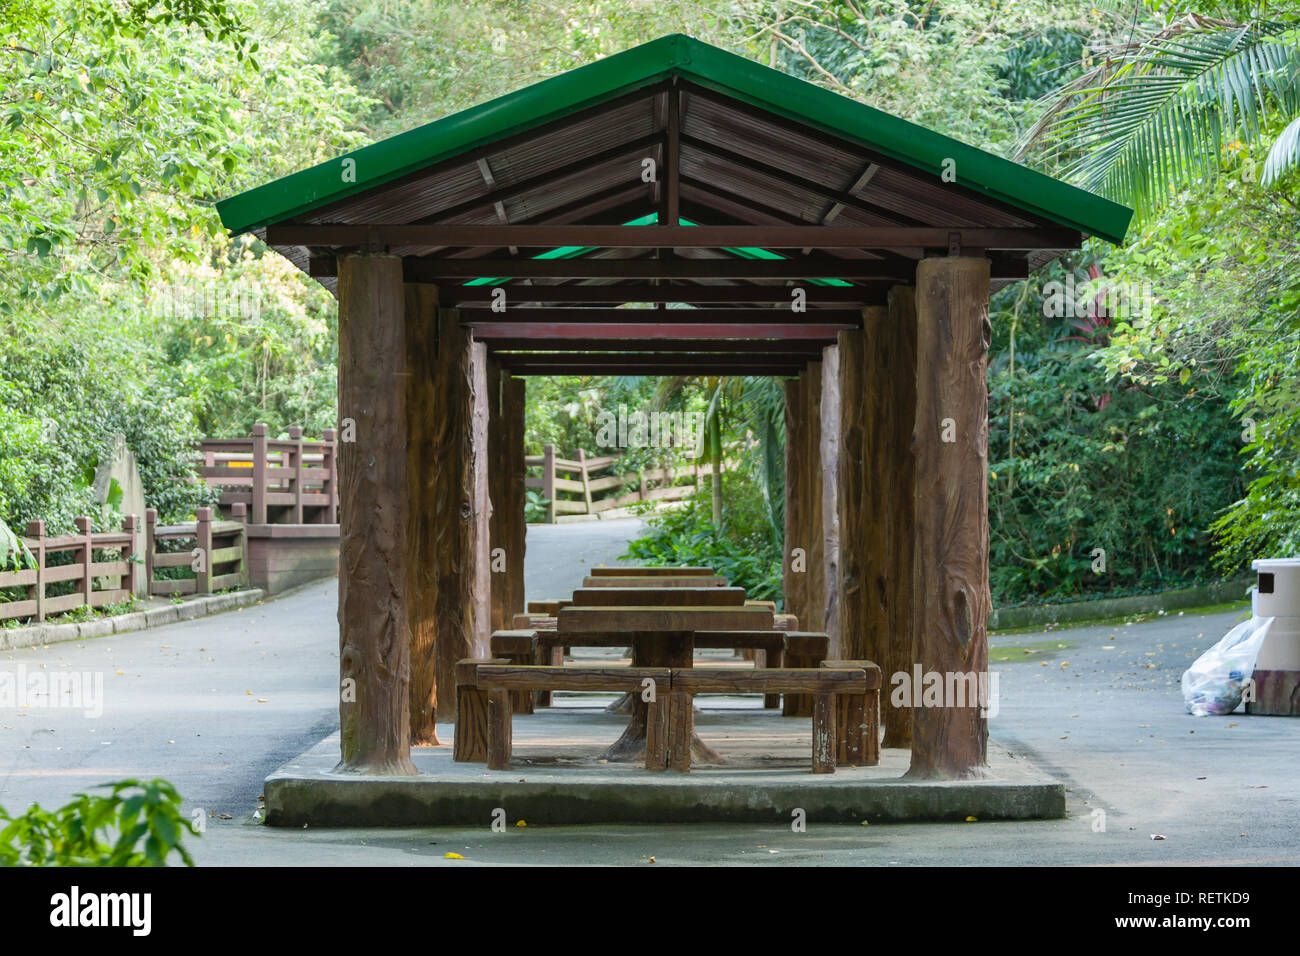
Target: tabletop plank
641,572
647,597
697,581
576,619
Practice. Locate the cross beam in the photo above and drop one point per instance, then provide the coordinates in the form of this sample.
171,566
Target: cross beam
460,295
677,319
378,235
647,332
608,343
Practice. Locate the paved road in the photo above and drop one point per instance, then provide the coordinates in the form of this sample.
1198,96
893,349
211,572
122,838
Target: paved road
218,703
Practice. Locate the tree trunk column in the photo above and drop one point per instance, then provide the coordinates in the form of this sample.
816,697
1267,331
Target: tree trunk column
853,494
374,628
514,527
828,462
423,407
498,476
795,576
900,492
481,620
951,566
810,390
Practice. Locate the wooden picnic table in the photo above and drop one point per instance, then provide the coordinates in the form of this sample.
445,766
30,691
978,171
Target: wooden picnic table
660,636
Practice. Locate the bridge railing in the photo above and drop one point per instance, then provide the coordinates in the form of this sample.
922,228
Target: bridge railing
280,481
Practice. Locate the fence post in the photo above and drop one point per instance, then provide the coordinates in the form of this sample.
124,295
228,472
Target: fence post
586,484
150,519
131,581
331,464
87,583
259,474
548,481
295,434
641,484
239,512
36,531
203,536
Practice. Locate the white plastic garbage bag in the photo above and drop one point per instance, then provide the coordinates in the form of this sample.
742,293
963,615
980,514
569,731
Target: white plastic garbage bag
1215,683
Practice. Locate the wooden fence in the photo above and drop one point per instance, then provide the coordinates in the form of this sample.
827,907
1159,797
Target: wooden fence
116,575
217,558
110,566
653,484
280,481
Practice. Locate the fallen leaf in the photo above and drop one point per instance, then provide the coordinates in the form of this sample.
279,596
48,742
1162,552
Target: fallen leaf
452,856
652,859
520,823
1157,836
972,819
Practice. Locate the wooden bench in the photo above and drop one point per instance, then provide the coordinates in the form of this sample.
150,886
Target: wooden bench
846,712
831,738
483,710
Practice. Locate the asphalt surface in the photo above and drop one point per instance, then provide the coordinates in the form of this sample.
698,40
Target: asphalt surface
216,704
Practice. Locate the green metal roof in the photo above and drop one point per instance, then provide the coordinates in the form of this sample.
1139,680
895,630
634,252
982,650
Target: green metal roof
675,55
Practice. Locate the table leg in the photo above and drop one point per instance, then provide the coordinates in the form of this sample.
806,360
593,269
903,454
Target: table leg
656,649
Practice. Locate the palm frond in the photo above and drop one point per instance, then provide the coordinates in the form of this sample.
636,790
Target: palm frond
1285,153
1156,113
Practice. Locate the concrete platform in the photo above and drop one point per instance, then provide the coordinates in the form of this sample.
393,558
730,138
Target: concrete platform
558,777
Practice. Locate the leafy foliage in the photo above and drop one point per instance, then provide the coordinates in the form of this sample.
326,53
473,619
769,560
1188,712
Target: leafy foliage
101,830
742,549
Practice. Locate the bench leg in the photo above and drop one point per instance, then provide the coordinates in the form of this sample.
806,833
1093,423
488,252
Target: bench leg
871,733
470,744
824,736
499,728
772,658
554,657
799,705
681,730
656,736
521,701
851,729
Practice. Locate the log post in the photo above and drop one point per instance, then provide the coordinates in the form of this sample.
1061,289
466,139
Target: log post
498,477
794,575
374,628
453,508
899,491
856,509
828,460
481,511
951,566
423,404
515,527
812,618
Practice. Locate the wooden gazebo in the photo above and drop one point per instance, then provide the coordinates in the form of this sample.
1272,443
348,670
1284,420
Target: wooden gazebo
671,209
